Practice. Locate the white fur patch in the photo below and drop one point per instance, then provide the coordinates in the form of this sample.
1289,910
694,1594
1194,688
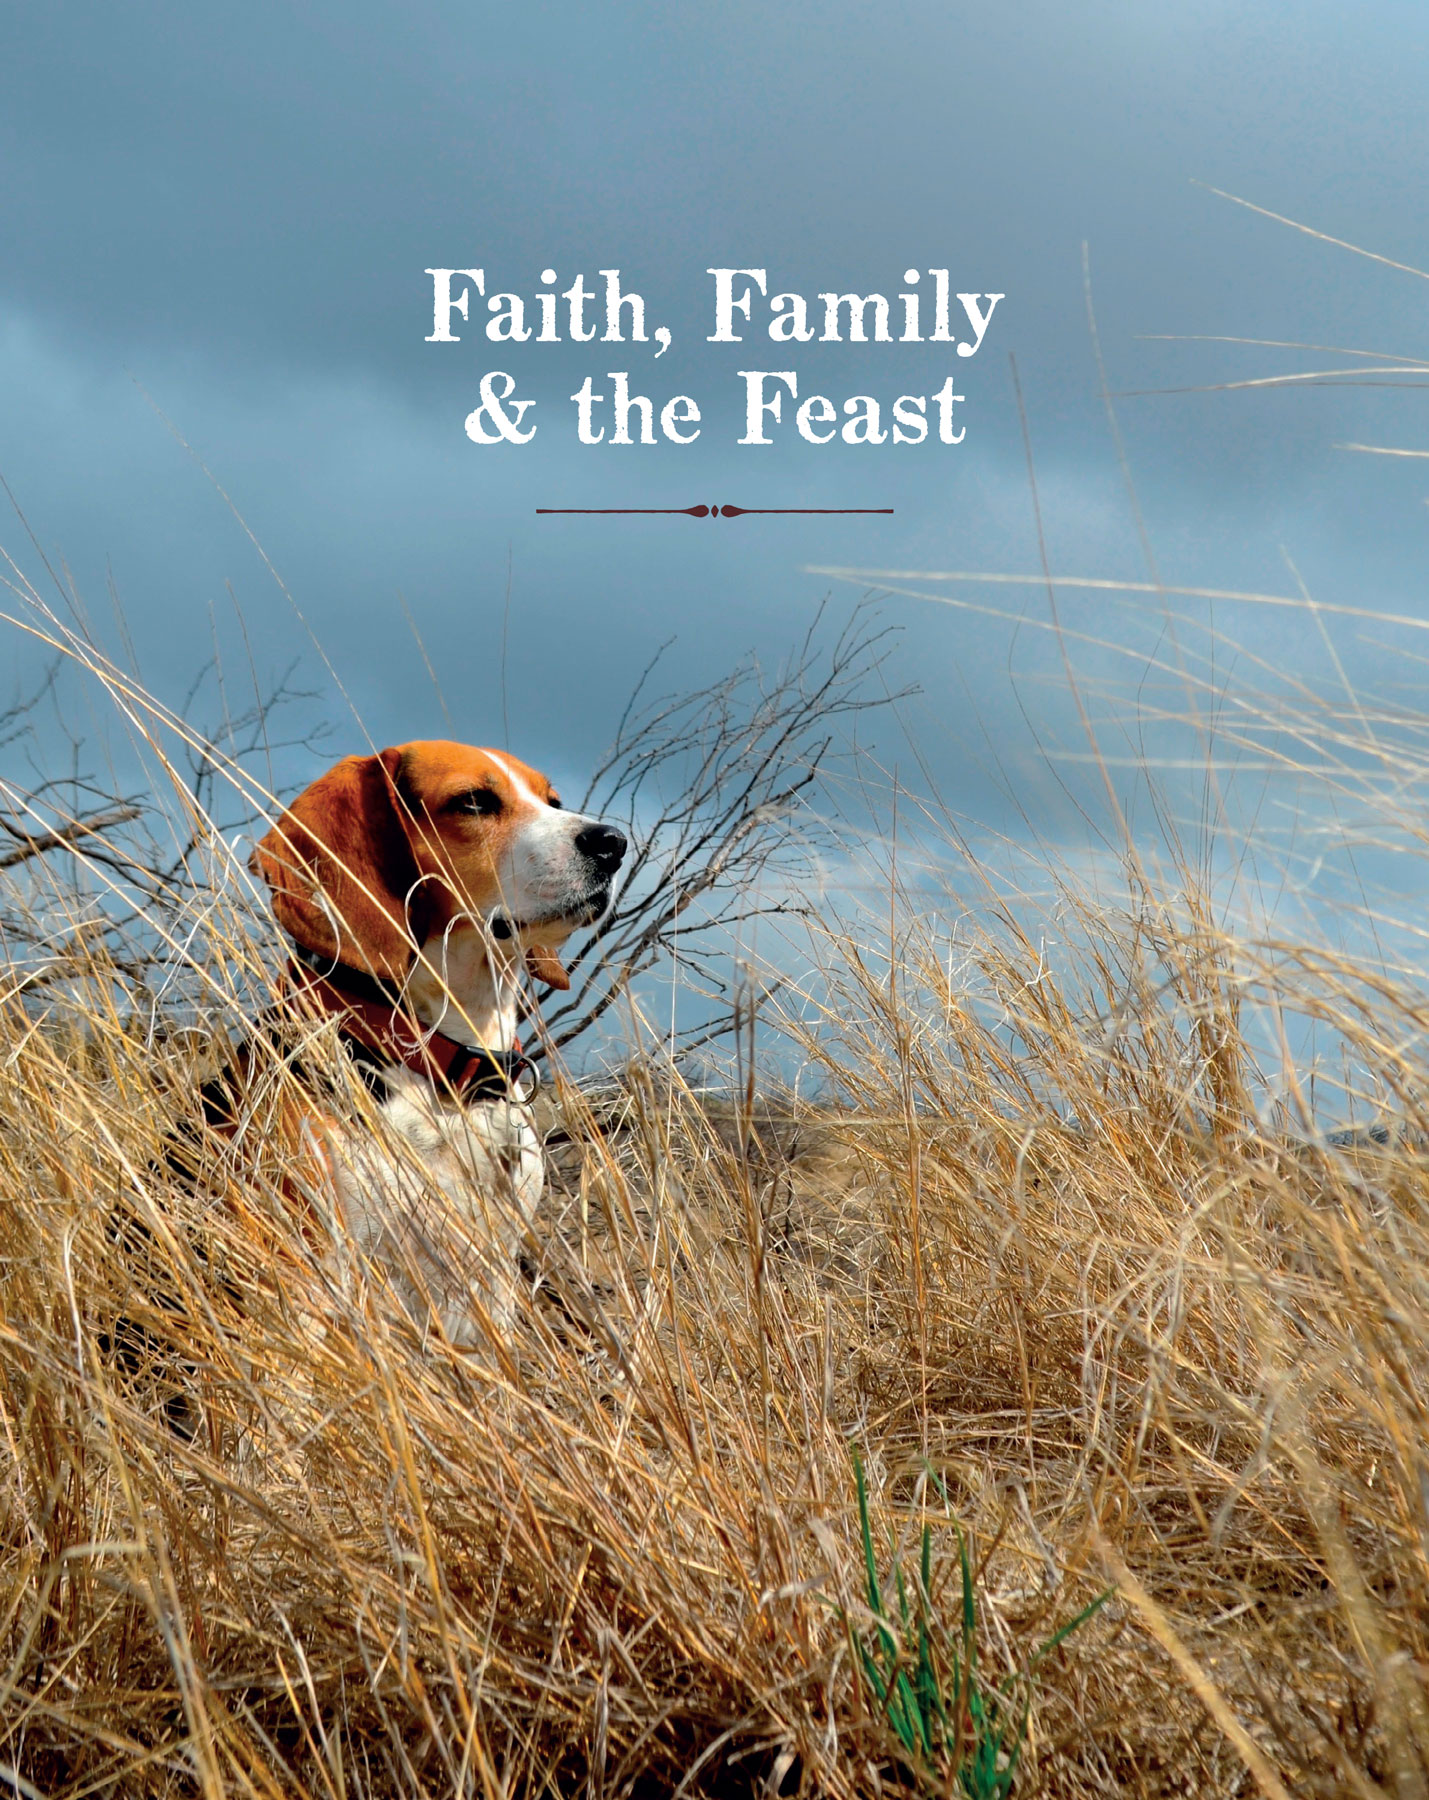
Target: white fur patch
443,1203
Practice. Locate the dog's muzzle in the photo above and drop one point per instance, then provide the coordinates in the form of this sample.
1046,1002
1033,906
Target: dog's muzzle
603,849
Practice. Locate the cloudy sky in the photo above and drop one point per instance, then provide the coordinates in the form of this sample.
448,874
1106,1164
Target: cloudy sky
216,227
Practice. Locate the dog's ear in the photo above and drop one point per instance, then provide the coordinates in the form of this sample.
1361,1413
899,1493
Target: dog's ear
339,863
546,966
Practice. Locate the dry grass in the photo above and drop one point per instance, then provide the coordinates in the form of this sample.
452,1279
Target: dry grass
1037,1264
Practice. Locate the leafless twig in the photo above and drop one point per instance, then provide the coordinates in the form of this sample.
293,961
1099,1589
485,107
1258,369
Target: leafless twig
713,789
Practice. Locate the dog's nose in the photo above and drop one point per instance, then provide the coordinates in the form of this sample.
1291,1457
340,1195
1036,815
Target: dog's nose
603,844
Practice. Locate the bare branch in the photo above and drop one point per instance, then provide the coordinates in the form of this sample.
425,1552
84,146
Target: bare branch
67,836
712,789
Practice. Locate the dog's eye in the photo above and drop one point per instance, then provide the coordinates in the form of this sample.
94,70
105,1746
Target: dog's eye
553,800
481,801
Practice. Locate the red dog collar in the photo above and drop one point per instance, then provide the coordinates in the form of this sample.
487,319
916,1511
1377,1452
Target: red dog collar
370,1014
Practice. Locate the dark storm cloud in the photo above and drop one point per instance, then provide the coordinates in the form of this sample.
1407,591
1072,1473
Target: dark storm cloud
236,208
270,182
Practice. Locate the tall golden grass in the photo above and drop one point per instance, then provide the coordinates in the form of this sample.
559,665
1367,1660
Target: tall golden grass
1038,1257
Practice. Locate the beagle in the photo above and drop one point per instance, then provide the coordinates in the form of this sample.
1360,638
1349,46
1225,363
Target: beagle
417,885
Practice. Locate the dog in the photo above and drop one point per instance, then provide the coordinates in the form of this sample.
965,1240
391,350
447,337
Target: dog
418,885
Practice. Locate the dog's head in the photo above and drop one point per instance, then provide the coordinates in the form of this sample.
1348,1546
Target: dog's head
384,851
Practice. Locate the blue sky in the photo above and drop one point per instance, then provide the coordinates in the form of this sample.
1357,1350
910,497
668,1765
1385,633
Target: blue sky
224,218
